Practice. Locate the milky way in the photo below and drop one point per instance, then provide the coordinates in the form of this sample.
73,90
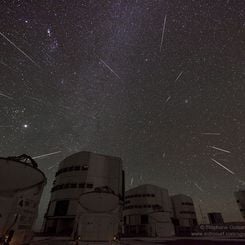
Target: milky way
154,82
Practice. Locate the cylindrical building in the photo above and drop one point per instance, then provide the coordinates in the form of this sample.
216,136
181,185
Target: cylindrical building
240,199
78,174
184,213
21,186
148,212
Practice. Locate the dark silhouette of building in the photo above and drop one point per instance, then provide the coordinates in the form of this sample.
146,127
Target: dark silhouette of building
215,218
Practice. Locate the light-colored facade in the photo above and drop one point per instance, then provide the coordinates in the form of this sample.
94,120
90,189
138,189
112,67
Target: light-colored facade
85,185
99,216
148,212
184,211
21,186
240,199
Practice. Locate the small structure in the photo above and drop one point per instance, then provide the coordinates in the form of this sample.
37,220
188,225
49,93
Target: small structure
215,218
148,212
21,186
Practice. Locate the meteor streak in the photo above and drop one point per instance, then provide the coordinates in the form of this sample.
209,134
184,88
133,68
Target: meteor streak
53,166
167,100
110,69
180,74
163,31
6,96
210,133
132,181
219,149
221,165
46,155
198,187
26,55
163,155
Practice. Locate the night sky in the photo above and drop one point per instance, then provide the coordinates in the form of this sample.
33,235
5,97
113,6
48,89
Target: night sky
158,83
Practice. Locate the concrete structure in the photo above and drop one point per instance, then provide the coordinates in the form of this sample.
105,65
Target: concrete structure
215,218
148,212
21,186
99,215
87,197
184,211
240,199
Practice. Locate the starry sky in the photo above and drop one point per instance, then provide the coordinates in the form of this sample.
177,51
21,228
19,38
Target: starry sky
159,83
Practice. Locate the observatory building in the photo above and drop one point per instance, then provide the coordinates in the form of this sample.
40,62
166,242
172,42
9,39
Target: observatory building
86,198
148,212
184,212
240,199
21,186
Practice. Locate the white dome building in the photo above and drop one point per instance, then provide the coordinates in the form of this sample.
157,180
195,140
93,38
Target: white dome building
88,191
148,212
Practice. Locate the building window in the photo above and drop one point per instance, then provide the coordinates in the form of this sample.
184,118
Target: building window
65,186
144,219
194,222
90,185
175,222
81,185
187,203
85,167
156,206
61,208
72,168
187,212
73,185
27,203
140,195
